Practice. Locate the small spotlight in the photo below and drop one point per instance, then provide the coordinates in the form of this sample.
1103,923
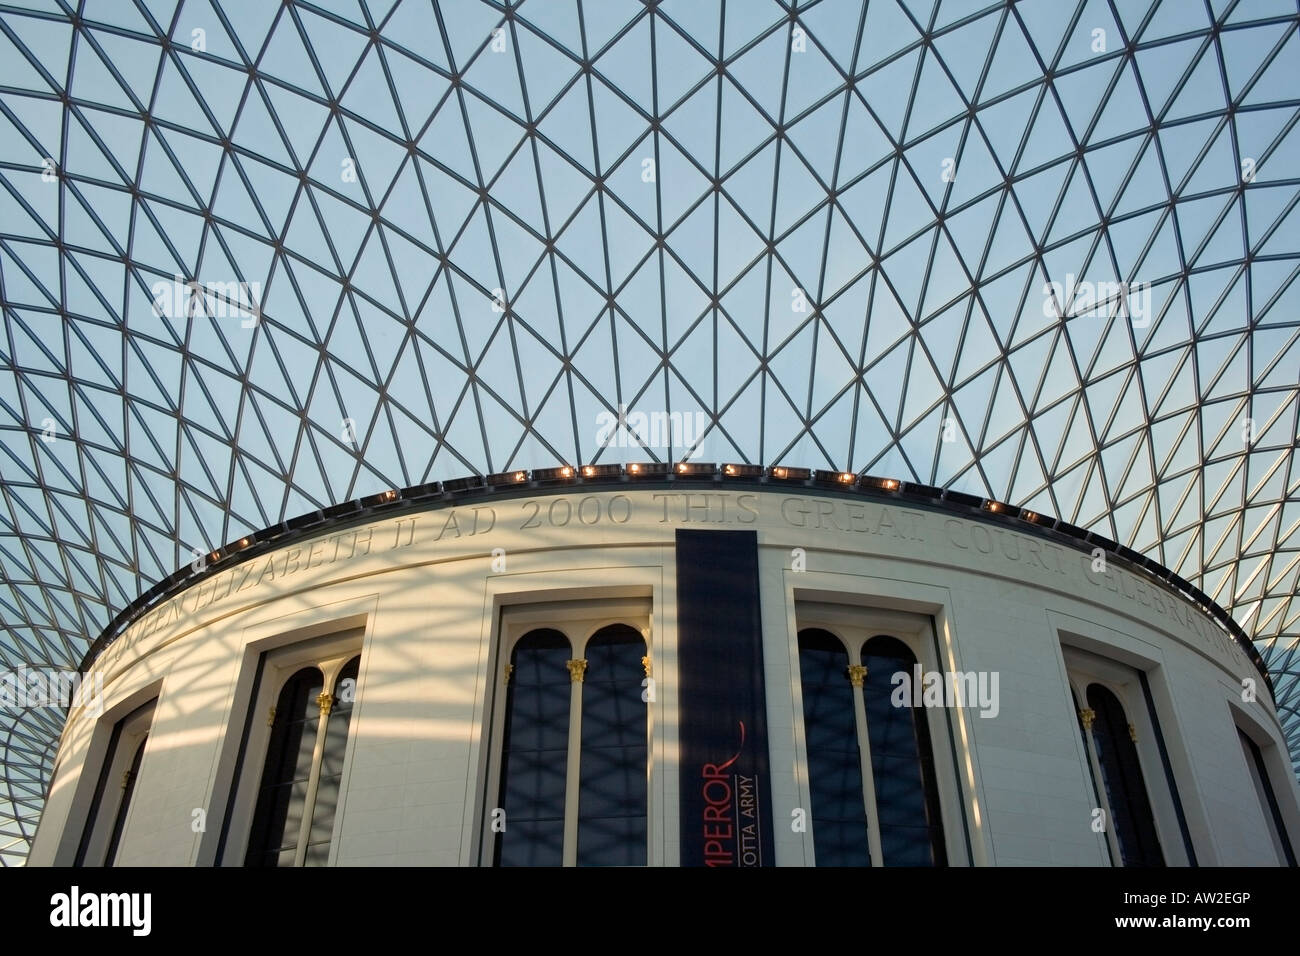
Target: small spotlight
846,477
588,471
891,484
566,472
520,476
779,472
243,542
634,469
1030,516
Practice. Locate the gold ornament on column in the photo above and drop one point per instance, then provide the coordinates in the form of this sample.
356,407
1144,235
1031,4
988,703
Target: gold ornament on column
1087,716
325,701
576,670
857,674
645,664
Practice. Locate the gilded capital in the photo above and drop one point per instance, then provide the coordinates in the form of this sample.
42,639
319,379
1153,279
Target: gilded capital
645,664
325,701
270,718
1087,715
510,669
857,674
576,670
1132,733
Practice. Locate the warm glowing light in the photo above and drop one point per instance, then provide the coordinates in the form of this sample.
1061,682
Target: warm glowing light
519,476
730,470
566,471
681,468
846,477
634,468
891,483
779,472
589,471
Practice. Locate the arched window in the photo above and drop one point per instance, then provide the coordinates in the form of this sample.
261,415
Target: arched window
613,789
902,762
1121,773
838,811
572,785
282,796
293,824
534,754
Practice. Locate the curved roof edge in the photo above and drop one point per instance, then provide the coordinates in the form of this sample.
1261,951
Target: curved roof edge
597,477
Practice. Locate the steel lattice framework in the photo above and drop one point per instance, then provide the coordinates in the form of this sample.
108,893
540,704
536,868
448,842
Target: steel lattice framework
259,258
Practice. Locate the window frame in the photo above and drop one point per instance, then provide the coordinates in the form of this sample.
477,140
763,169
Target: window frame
579,620
105,814
1084,668
330,654
854,625
1268,759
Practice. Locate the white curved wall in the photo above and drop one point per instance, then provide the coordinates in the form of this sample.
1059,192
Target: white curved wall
424,591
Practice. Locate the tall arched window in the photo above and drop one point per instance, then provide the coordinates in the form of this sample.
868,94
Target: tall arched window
282,796
1121,773
871,771
902,762
534,754
838,811
293,824
612,793
572,785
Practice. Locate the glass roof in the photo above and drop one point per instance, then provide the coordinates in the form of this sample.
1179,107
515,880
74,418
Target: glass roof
258,258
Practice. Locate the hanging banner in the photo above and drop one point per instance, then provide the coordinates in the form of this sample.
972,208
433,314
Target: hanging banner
725,791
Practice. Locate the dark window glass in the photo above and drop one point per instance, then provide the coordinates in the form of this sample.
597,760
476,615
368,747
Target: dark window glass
282,795
534,755
1121,775
128,790
331,769
839,817
1092,776
902,762
612,792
